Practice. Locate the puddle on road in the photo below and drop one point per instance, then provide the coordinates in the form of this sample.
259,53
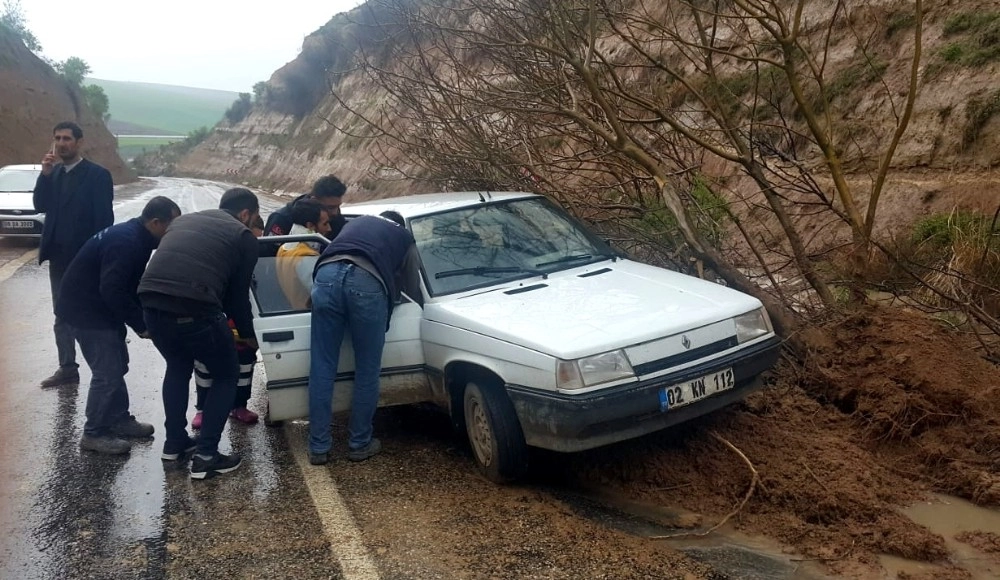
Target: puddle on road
731,554
950,516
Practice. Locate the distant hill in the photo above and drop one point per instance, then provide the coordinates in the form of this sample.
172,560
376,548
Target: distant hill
155,109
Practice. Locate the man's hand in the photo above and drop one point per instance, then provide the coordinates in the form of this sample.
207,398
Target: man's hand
48,162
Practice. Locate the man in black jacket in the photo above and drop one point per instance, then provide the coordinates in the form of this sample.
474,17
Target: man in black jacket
199,277
328,191
100,300
75,195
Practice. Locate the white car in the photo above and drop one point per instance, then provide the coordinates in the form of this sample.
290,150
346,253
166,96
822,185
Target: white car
18,217
534,332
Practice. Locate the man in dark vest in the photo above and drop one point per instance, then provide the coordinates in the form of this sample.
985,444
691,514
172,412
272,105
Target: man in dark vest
100,300
356,282
75,195
198,278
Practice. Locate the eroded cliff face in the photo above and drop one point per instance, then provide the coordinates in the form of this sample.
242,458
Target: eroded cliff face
33,99
305,132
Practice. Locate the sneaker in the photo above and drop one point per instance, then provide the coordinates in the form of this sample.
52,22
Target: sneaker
173,452
106,444
63,376
196,422
217,465
244,415
129,428
370,450
319,458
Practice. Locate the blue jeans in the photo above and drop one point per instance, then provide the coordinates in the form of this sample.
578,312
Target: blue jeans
344,297
181,340
107,356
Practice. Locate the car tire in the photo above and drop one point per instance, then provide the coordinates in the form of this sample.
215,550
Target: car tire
494,433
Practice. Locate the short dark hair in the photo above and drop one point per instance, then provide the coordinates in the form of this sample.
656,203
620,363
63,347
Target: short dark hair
306,211
77,131
238,199
162,208
394,216
328,186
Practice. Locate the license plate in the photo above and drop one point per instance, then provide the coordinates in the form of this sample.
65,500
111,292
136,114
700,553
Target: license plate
693,391
18,225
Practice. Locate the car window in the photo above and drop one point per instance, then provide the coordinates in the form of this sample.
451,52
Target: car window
282,280
18,179
491,243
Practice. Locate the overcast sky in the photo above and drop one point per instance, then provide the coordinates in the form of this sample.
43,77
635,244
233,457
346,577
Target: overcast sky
214,44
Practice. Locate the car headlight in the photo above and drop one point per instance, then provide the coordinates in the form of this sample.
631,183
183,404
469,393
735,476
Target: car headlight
752,325
593,370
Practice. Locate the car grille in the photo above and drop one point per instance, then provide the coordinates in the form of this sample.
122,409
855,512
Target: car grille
685,357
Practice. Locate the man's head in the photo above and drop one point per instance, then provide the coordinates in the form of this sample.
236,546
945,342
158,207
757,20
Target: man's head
394,216
329,192
158,214
66,137
242,204
310,214
257,227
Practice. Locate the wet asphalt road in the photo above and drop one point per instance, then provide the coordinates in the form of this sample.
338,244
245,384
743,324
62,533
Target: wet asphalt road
69,514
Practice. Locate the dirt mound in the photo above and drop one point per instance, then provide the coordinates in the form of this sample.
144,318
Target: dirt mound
920,395
882,411
983,541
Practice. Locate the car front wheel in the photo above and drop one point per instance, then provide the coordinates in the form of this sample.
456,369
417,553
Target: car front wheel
494,433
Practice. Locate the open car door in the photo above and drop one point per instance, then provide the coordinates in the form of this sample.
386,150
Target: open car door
282,318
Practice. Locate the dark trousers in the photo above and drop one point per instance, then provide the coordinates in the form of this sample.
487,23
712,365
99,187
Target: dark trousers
247,358
65,346
181,340
107,356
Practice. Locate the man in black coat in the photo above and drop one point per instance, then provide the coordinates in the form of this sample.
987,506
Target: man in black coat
101,299
75,195
198,278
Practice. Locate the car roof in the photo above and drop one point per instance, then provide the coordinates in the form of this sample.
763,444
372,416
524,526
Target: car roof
410,206
28,167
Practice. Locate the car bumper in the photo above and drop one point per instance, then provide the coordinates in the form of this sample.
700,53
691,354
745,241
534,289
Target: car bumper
17,226
578,422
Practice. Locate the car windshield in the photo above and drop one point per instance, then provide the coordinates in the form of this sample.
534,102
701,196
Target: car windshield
492,243
18,179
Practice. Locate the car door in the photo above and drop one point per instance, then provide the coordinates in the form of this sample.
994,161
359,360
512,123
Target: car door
282,324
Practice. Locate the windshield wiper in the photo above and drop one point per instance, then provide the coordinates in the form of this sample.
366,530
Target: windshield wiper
573,258
485,270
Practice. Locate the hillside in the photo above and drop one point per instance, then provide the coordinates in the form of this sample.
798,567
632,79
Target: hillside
33,98
155,109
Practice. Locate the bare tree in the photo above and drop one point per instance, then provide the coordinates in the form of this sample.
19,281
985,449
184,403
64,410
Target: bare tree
614,108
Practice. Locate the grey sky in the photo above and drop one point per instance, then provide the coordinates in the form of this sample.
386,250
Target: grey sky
215,44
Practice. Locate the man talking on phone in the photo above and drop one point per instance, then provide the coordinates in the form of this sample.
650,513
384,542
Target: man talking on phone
75,194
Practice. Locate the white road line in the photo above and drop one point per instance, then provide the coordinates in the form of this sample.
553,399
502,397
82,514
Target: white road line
338,524
12,266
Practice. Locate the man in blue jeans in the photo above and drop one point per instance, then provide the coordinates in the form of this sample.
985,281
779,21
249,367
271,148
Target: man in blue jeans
198,278
99,301
355,285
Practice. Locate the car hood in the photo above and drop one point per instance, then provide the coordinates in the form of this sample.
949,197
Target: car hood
586,311
16,200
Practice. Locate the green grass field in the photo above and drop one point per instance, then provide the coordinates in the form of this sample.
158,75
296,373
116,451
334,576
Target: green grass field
163,109
129,147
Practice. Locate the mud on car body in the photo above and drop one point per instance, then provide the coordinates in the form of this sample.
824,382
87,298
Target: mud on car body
534,332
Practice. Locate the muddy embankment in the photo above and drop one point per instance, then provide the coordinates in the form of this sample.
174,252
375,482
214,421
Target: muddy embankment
889,407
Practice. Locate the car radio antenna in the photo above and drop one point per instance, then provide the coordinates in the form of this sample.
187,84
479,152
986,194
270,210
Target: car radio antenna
481,198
